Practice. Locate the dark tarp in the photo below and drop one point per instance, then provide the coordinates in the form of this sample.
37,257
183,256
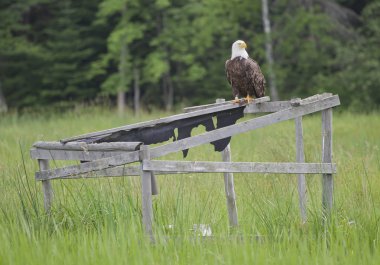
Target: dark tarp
164,131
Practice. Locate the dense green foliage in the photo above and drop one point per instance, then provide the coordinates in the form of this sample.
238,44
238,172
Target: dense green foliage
98,221
59,52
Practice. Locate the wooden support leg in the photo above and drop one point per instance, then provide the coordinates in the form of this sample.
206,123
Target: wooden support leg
327,179
300,155
229,186
46,186
146,189
230,190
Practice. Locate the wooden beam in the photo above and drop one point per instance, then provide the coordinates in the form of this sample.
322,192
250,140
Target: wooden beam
267,107
90,166
281,105
229,186
300,157
119,171
239,167
154,122
295,102
146,190
327,179
225,103
46,186
246,126
81,146
36,153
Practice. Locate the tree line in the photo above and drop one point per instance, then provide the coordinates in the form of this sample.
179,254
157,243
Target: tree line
160,53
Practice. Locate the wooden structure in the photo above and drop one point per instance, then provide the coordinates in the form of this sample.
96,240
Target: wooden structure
108,153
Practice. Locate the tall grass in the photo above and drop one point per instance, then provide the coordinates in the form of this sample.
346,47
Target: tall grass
98,221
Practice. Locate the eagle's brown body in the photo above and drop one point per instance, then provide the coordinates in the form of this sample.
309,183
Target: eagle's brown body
245,77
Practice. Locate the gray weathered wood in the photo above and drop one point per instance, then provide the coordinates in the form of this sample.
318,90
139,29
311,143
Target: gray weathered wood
315,98
225,103
242,127
229,186
300,156
281,105
81,146
154,122
91,166
327,179
242,167
36,153
46,186
146,189
267,107
119,171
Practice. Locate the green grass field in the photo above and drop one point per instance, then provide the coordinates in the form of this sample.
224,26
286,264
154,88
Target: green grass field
98,221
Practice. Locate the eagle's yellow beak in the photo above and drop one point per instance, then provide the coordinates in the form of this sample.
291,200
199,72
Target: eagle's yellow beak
243,45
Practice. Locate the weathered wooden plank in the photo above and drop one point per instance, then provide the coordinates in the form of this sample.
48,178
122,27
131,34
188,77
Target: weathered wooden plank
36,153
154,122
281,105
295,102
224,103
239,167
242,127
315,98
119,171
90,166
300,157
46,186
146,190
267,107
229,186
81,146
327,179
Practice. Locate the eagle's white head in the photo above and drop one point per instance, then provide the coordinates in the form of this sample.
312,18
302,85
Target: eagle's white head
238,49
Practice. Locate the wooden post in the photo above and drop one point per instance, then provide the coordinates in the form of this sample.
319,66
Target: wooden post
146,190
229,185
46,186
300,156
327,180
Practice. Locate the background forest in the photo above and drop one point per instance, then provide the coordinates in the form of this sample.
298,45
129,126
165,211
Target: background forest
164,53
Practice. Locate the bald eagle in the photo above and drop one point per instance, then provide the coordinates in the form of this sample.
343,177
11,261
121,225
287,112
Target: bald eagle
244,74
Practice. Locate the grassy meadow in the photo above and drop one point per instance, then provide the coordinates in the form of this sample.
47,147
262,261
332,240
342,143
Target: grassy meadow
98,221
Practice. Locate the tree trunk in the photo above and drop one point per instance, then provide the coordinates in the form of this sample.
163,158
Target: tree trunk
268,50
120,102
123,80
122,72
168,91
136,89
3,103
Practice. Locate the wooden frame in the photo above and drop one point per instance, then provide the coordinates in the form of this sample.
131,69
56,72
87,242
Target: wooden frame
114,159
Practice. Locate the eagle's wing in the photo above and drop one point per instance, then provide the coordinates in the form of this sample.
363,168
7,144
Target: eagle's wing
229,73
255,77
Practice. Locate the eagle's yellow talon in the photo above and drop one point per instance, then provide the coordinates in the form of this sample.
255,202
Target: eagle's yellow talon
236,100
249,99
